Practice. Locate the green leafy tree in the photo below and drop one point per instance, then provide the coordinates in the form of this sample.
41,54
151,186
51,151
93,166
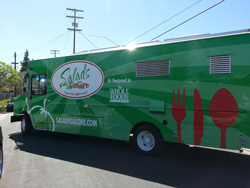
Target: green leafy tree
25,62
8,77
19,84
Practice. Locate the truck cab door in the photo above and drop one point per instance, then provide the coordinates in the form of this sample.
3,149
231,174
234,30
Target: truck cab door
23,99
38,97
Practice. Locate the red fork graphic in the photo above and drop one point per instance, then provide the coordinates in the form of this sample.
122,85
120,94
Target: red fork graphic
179,112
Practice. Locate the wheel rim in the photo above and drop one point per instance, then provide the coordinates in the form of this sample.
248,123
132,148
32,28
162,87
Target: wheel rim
23,124
146,141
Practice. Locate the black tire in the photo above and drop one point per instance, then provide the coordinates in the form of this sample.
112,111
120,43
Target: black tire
1,161
148,140
1,152
26,125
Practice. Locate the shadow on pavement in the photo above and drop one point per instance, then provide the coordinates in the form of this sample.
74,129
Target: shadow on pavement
178,165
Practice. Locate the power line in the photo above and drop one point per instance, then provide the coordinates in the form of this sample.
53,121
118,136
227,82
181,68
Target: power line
47,43
74,24
5,57
39,46
50,41
65,43
88,40
129,16
111,41
164,21
100,37
188,20
9,59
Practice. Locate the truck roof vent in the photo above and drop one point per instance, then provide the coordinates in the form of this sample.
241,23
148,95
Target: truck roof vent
153,68
220,64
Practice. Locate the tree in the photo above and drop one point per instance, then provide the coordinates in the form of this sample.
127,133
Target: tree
8,77
25,62
19,84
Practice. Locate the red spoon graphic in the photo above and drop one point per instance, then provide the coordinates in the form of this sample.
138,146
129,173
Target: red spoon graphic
223,110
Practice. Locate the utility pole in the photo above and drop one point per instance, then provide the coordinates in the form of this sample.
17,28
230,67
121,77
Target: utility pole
74,24
15,63
54,52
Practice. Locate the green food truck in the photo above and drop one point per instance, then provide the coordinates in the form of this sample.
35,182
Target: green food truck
193,90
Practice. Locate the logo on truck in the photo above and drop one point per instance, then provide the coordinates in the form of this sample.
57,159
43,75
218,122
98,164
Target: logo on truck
77,79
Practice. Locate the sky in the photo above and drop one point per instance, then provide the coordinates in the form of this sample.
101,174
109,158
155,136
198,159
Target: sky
40,26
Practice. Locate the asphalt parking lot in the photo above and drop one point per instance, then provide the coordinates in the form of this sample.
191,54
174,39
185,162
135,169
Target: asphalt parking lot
46,159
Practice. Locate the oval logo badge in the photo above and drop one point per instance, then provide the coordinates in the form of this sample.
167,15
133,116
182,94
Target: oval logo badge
77,79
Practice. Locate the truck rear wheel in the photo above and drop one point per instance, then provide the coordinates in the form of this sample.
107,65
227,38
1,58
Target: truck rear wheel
147,140
26,125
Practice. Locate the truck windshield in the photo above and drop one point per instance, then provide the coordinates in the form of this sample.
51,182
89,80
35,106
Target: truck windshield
39,84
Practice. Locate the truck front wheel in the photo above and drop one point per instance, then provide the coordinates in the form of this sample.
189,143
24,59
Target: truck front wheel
1,152
147,140
26,125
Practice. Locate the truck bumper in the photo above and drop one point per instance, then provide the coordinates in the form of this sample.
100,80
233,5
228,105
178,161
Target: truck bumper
16,118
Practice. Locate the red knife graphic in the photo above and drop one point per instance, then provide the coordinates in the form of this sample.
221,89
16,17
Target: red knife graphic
198,118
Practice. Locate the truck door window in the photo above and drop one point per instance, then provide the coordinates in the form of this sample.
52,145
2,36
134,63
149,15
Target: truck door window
39,84
26,85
